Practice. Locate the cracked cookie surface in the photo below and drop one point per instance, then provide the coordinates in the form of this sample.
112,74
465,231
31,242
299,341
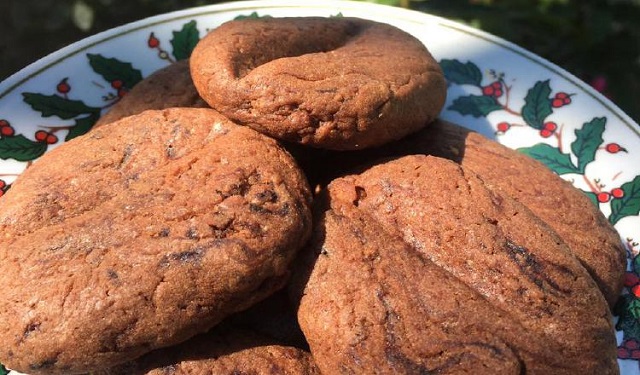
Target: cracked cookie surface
140,234
337,83
417,266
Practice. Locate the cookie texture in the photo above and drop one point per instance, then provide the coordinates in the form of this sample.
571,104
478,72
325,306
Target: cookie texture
224,350
168,87
417,266
563,207
141,234
336,83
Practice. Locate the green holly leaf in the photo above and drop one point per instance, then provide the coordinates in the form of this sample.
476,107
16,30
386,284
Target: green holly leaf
252,15
83,125
185,40
551,157
628,311
54,105
112,69
475,105
21,148
537,105
588,140
635,264
461,74
3,370
629,204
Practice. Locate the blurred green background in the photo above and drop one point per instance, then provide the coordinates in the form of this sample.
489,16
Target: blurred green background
597,40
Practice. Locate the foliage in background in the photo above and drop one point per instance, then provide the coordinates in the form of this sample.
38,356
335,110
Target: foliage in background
597,40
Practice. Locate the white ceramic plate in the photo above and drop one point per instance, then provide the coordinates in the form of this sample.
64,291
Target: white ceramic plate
495,87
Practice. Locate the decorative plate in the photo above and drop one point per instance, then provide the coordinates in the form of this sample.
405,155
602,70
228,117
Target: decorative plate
495,88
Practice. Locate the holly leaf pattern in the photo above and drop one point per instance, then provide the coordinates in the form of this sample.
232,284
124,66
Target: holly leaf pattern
635,264
629,204
54,105
3,370
551,157
588,140
537,105
254,15
21,148
112,69
475,105
629,311
82,125
461,74
185,40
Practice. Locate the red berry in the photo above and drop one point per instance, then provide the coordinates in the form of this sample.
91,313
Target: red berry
623,353
550,126
557,103
614,148
41,135
497,93
636,290
153,42
635,354
488,91
631,279
122,92
2,184
631,344
617,193
63,87
503,127
603,197
545,133
497,85
566,101
116,84
1,193
51,139
7,131
4,123
562,95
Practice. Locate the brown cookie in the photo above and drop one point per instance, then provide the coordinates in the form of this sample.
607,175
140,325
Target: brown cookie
586,231
563,207
141,234
168,87
336,83
423,268
224,350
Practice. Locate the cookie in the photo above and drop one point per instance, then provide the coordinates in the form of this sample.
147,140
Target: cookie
224,350
141,234
337,83
417,266
563,207
168,87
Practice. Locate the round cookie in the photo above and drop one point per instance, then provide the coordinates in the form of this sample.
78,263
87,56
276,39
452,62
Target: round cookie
417,266
337,83
168,87
141,234
224,350
567,210
570,213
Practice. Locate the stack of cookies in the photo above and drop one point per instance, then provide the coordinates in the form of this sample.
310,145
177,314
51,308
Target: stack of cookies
283,202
